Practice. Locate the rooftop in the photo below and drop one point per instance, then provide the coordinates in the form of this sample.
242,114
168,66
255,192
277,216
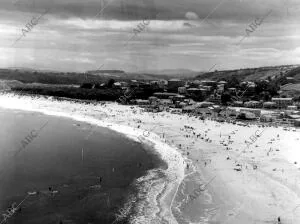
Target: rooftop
282,99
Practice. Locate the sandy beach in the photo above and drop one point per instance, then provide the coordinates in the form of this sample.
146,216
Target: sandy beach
239,184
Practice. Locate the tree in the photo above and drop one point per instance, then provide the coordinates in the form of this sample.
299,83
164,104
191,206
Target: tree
225,98
233,82
110,83
260,86
87,85
272,88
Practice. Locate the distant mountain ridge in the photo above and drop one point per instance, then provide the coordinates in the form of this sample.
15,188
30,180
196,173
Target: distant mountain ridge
146,75
24,69
28,75
105,71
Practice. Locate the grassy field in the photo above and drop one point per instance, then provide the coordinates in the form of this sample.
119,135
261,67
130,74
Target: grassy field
253,74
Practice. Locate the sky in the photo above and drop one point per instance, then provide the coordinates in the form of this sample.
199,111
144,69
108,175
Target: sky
200,35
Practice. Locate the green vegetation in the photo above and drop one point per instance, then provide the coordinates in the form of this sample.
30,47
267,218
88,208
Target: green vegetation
71,92
49,77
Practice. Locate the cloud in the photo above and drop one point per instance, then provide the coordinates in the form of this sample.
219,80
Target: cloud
117,25
185,34
78,60
191,16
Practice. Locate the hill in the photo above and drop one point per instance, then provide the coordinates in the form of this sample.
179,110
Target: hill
251,74
100,76
295,73
291,90
145,75
69,78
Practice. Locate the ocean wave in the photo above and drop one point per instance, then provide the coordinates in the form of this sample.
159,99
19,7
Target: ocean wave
157,189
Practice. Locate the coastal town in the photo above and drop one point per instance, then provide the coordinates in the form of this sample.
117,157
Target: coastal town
220,100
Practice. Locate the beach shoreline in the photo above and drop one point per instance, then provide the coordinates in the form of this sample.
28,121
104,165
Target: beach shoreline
196,155
152,141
